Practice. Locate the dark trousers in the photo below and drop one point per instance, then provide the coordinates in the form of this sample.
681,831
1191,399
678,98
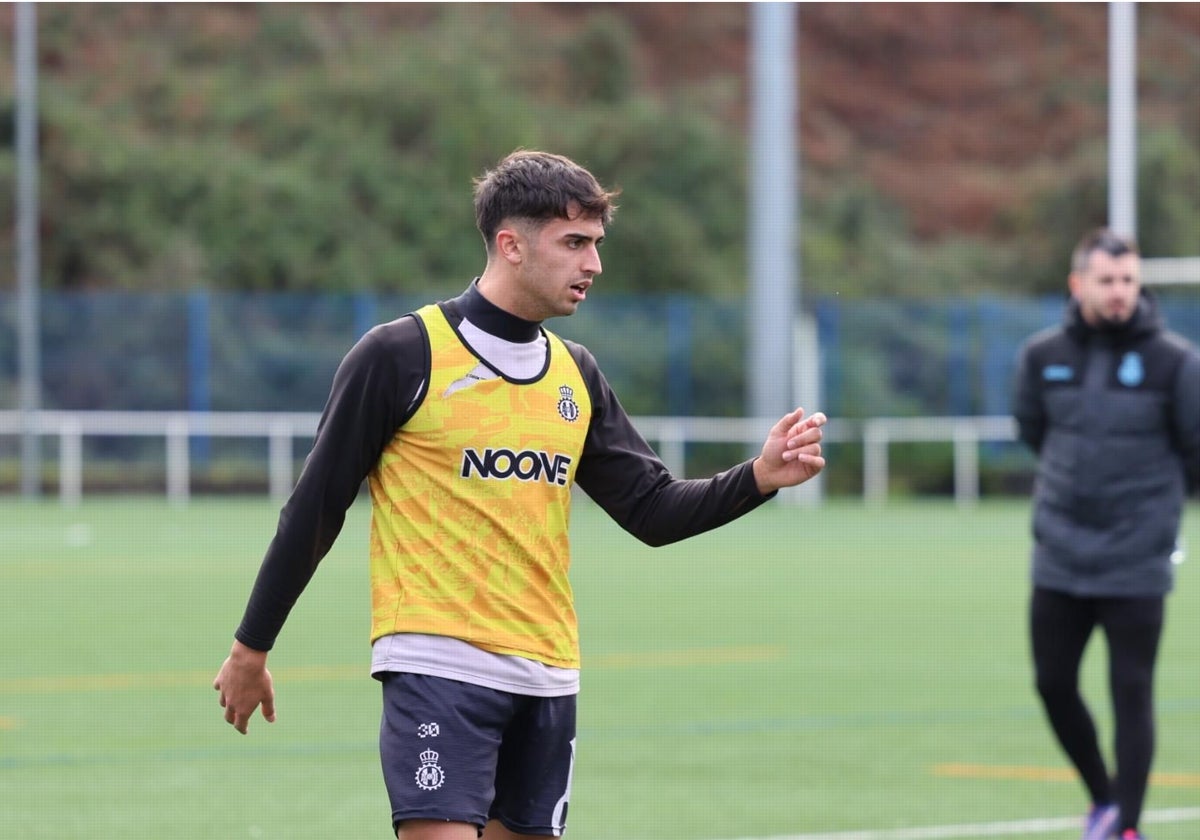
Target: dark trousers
1060,626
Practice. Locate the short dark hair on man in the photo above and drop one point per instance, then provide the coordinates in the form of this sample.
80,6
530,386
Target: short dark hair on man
537,187
1101,239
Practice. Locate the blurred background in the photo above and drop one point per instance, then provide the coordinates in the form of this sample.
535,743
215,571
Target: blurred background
231,194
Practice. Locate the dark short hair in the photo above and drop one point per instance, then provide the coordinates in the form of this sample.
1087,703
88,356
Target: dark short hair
537,187
1101,239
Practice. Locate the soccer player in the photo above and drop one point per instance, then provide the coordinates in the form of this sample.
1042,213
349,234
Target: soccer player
471,423
1110,402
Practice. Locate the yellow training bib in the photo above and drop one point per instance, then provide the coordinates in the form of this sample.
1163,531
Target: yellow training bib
471,505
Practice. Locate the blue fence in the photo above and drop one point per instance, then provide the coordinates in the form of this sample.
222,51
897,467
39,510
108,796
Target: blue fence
665,354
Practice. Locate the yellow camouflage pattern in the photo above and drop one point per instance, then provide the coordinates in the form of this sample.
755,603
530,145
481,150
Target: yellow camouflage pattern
471,505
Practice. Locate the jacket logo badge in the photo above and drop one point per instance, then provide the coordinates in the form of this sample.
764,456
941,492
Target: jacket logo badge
567,407
1132,371
1057,373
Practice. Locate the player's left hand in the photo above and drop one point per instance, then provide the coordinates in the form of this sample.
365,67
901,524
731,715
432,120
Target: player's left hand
791,454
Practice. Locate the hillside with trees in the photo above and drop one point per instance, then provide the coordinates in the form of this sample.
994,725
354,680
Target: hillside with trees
945,147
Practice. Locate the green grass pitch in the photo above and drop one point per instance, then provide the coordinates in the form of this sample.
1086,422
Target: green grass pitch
799,671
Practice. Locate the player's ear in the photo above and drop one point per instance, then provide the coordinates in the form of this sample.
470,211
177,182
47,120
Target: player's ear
510,245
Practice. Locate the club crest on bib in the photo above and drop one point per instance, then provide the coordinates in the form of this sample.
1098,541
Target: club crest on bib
430,775
567,407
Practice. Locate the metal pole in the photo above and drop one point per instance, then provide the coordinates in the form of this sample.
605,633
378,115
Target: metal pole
1122,118
773,202
28,319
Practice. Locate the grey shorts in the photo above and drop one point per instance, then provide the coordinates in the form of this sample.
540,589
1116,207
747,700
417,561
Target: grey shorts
464,753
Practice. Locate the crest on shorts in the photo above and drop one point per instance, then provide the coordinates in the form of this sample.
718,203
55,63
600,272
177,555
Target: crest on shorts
567,407
430,776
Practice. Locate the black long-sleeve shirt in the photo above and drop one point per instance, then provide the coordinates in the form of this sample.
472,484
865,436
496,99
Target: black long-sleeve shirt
377,388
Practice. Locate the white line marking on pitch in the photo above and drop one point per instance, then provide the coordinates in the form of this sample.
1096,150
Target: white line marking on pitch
996,829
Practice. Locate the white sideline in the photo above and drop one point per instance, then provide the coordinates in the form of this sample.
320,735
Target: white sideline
996,829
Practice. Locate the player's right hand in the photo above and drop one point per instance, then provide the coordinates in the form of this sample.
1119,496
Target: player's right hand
243,684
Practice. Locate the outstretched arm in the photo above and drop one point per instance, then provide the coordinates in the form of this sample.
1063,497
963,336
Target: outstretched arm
791,454
623,475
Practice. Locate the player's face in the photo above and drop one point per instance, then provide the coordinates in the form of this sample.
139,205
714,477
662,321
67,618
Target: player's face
1107,290
559,262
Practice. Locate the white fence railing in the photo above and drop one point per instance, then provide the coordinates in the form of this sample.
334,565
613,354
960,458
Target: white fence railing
176,428
671,434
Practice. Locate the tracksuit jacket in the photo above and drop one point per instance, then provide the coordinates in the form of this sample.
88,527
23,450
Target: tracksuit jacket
1114,416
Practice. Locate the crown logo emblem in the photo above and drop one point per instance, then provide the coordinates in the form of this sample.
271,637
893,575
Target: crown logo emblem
568,409
429,775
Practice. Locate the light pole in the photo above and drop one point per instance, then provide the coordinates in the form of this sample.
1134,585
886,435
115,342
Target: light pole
28,318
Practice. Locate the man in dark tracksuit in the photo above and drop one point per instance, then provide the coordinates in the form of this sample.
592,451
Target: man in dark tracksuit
1110,403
